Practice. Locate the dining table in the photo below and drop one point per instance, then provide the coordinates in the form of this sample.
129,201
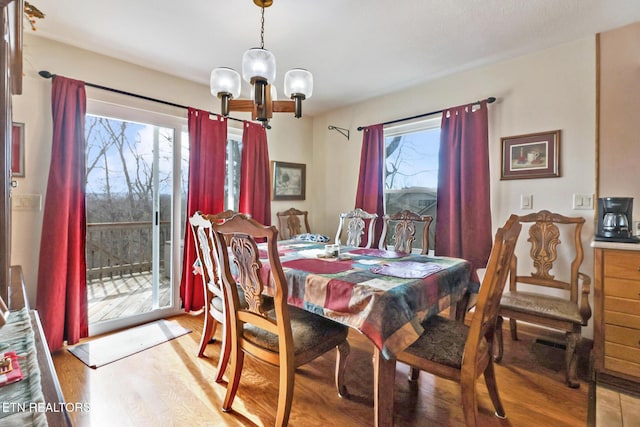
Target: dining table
383,294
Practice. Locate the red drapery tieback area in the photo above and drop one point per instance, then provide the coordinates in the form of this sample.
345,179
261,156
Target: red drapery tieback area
370,193
255,191
207,160
463,225
62,286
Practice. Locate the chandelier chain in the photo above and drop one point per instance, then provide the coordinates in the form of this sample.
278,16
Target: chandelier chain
262,30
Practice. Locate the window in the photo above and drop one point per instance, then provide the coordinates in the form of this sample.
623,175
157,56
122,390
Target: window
232,179
411,169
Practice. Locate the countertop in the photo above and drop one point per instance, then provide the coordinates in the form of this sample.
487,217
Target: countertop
615,245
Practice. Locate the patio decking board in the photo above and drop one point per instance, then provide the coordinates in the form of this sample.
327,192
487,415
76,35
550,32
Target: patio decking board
112,298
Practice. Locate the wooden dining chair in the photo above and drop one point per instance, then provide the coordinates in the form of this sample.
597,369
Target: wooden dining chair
404,225
356,222
452,350
284,336
290,223
214,311
541,303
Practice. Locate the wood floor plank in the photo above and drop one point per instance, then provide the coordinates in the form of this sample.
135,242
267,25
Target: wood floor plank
168,385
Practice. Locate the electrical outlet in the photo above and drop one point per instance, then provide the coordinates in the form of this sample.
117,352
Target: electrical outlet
636,228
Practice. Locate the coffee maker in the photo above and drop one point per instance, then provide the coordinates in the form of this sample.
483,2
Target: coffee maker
614,220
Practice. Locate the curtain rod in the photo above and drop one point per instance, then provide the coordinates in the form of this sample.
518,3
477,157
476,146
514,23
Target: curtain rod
489,100
48,75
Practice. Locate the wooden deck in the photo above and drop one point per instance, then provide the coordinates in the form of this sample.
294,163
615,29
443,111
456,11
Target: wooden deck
123,296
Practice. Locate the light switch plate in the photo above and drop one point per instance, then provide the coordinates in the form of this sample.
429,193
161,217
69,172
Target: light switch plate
526,201
582,201
26,202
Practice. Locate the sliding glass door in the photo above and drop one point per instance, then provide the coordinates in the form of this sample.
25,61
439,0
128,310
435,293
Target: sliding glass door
135,220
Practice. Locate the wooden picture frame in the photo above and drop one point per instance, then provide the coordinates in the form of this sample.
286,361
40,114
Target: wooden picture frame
17,150
288,181
535,155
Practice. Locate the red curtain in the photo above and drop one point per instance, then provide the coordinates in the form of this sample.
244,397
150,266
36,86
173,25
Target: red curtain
463,226
62,285
370,193
255,191
207,161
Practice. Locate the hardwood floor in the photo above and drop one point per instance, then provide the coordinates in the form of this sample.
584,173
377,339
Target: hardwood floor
168,385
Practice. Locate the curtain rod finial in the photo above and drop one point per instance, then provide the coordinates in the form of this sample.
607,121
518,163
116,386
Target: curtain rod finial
45,74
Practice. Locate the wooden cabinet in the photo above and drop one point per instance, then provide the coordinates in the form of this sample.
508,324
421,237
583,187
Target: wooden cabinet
617,310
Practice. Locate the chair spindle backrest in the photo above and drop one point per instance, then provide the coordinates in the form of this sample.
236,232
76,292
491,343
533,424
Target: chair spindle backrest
404,231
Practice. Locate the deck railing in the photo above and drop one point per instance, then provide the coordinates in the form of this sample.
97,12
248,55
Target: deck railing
114,249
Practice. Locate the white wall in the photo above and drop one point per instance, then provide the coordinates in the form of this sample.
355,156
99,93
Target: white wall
289,139
547,90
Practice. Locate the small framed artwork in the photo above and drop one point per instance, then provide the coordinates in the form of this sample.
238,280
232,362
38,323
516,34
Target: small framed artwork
17,150
536,155
288,181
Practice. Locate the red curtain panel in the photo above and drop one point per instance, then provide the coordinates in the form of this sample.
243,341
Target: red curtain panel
370,193
62,286
207,160
463,225
255,191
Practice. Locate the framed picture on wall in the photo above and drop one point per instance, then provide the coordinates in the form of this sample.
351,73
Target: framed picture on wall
288,181
535,155
17,150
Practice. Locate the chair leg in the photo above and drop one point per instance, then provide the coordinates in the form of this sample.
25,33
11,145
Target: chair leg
469,401
225,352
285,393
208,329
492,386
513,326
499,339
341,363
414,374
237,360
571,359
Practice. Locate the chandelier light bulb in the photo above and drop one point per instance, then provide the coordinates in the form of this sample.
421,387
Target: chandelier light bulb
298,82
258,64
225,81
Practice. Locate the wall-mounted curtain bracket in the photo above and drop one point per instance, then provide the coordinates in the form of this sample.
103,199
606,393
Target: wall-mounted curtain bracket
343,131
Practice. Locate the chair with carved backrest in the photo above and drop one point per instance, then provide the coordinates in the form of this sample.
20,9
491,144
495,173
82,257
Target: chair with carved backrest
452,350
547,307
284,336
404,231
201,227
356,223
290,223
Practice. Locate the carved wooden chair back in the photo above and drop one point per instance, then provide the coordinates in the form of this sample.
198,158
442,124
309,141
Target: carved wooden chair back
276,333
450,349
554,266
404,231
290,223
209,268
357,221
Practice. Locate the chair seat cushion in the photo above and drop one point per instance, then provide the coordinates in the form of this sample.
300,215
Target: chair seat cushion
442,341
309,331
544,305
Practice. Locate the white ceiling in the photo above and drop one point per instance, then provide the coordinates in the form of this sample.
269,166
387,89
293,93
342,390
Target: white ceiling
356,49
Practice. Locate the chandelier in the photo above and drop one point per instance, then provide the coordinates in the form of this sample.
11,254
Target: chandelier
259,69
